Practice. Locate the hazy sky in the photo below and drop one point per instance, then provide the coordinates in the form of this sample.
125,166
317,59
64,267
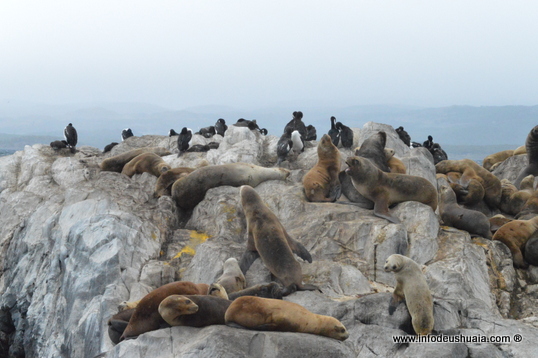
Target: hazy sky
252,53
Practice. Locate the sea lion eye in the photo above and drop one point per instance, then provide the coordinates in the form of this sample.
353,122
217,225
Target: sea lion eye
187,301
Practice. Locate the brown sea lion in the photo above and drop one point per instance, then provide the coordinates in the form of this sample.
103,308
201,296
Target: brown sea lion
531,145
531,250
469,190
268,240
513,200
497,221
495,158
385,189
395,164
118,323
232,278
146,163
266,290
472,221
190,190
116,163
193,311
372,148
146,315
165,181
321,183
265,314
471,170
520,150
412,287
515,235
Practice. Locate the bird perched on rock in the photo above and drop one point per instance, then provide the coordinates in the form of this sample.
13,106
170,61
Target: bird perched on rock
126,133
183,140
346,135
404,136
242,122
334,133
297,124
311,133
428,144
172,133
283,146
71,137
220,126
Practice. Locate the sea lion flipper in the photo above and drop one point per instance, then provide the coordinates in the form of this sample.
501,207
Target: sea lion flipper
394,302
381,209
335,192
247,259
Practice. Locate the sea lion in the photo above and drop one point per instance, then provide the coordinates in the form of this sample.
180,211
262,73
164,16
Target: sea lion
266,290
167,179
385,189
217,290
321,183
531,250
412,287
530,208
520,150
193,311
266,314
472,221
116,163
471,170
268,240
497,221
146,163
190,190
531,146
232,278
372,148
58,144
117,324
513,200
395,165
515,235
146,316
494,158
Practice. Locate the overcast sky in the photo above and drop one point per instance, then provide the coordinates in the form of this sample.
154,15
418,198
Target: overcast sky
253,53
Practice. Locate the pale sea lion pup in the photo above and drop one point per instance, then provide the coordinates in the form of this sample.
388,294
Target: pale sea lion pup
395,164
412,287
268,240
321,183
267,314
232,278
385,189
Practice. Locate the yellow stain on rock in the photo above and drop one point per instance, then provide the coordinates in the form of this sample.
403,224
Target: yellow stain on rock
196,239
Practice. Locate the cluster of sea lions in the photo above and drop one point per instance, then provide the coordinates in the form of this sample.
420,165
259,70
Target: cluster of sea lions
467,197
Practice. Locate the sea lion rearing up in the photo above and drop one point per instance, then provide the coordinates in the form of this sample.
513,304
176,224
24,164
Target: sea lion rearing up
531,145
146,163
116,163
267,314
190,190
412,287
268,239
321,183
385,189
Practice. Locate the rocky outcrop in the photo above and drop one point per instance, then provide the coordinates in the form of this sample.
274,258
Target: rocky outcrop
75,242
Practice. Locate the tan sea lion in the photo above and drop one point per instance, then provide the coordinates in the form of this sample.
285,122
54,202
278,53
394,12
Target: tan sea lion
513,200
520,150
190,190
495,158
472,221
412,287
471,170
531,146
515,235
193,311
497,221
321,183
266,314
146,163
385,189
116,163
395,164
167,179
146,316
268,240
232,278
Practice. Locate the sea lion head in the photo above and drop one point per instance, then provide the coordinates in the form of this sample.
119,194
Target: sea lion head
394,263
174,306
338,330
217,290
447,194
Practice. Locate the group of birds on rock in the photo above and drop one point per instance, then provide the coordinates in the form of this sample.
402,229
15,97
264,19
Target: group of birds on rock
340,133
435,148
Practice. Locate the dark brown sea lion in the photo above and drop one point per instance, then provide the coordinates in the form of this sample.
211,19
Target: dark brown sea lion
193,311
531,145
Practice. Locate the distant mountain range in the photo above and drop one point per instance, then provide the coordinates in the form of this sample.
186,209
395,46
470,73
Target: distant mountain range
99,124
